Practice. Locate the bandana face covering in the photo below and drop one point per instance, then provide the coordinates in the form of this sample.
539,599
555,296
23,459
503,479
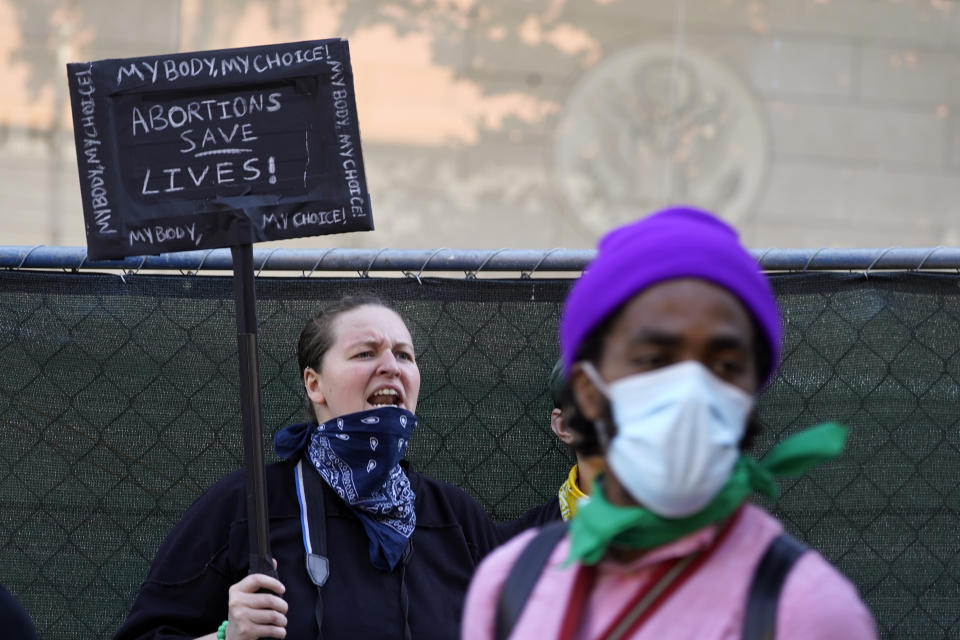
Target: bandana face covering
358,455
600,525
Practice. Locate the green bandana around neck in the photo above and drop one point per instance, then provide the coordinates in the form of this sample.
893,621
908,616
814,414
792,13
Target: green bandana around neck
599,524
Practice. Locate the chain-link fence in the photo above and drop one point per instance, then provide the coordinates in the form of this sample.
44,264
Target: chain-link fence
119,406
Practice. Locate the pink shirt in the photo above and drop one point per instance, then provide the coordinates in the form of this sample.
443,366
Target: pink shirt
817,602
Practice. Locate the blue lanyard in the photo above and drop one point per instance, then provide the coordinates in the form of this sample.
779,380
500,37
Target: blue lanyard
318,566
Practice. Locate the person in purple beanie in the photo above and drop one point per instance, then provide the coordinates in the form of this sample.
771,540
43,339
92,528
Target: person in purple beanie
666,340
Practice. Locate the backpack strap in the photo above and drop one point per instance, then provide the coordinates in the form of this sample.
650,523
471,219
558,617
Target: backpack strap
524,575
760,620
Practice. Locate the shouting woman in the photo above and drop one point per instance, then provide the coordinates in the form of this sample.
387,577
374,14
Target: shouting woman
364,546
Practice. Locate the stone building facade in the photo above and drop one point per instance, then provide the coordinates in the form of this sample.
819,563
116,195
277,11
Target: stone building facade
541,123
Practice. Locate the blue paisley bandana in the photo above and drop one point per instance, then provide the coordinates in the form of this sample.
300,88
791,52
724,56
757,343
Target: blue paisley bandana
358,455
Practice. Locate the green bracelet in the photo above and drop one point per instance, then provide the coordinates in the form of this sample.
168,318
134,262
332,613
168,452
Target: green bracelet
222,631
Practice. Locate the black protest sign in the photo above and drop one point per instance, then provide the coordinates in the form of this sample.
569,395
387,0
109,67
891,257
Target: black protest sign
218,148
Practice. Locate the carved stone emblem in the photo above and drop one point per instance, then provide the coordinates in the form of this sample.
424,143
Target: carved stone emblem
655,125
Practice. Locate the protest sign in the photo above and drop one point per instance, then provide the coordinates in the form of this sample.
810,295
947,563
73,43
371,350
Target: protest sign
218,148
221,149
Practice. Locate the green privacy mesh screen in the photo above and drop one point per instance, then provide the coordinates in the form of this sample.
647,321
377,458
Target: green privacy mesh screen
118,406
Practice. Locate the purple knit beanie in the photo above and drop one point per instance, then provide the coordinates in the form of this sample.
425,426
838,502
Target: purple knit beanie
679,242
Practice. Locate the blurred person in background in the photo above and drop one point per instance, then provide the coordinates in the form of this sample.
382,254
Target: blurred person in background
587,462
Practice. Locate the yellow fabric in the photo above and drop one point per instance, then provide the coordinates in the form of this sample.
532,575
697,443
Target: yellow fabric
570,494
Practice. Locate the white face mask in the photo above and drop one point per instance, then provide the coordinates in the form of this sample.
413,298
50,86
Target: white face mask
678,435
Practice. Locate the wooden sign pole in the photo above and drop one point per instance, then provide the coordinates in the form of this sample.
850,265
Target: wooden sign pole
245,297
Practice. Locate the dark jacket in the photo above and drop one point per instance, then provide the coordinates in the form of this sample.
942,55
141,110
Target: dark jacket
14,621
535,517
185,593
